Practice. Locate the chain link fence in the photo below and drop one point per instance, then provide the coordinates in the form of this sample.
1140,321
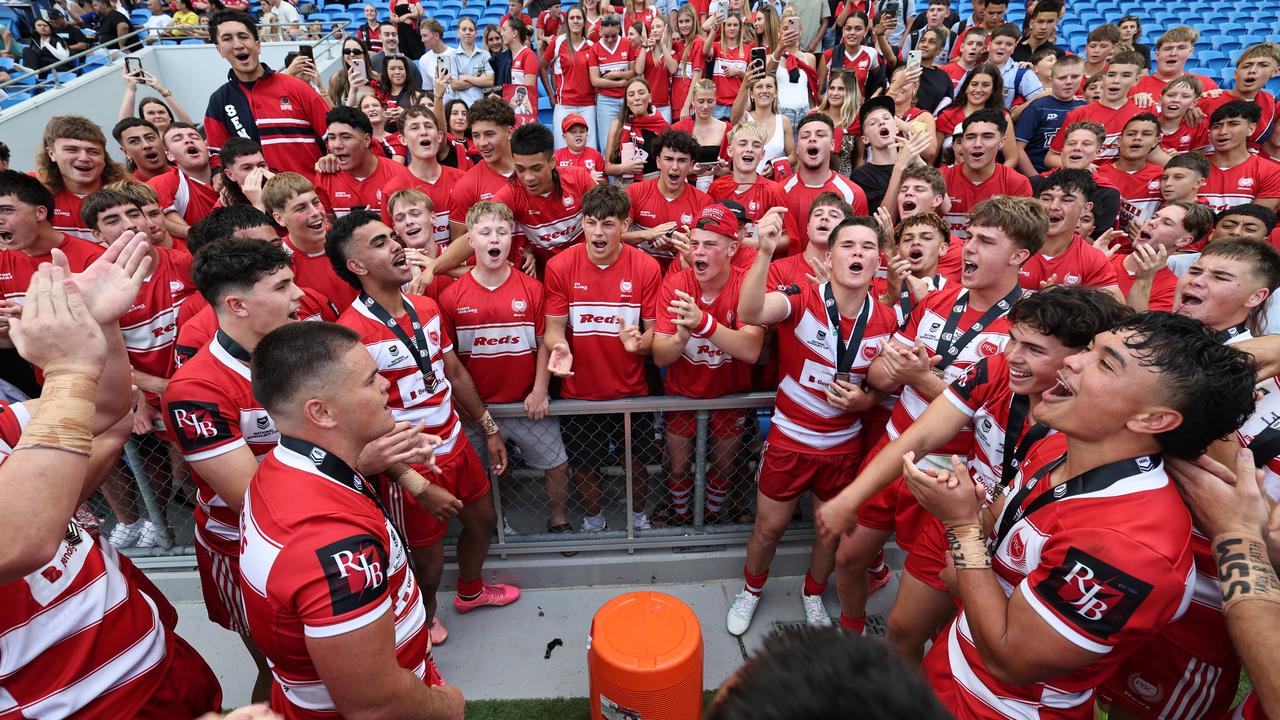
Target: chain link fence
641,472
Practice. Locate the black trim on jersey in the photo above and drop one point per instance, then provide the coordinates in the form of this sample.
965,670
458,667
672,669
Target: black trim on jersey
1091,481
949,346
1016,444
233,348
845,353
415,344
1265,447
1228,333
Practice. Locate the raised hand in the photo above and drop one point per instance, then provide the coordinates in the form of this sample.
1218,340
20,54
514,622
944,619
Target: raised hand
110,284
631,337
1150,259
769,230
56,331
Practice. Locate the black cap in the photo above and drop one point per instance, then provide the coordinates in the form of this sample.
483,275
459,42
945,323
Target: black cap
880,101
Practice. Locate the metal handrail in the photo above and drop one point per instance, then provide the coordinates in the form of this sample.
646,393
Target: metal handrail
114,54
654,403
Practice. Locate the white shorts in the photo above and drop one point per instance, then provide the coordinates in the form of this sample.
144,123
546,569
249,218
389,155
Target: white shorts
539,441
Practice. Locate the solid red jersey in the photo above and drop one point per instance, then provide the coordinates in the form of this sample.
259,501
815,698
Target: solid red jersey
481,182
1106,568
957,73
17,268
688,61
703,370
1111,119
799,196
150,327
441,194
650,208
1154,86
410,397
342,192
1139,191
496,332
185,195
569,68
755,200
598,302
1081,264
1265,101
589,159
1187,138
1163,285
197,322
790,270
315,271
320,559
209,407
803,420
551,222
66,216
926,325
658,77
965,194
616,59
1256,177
723,60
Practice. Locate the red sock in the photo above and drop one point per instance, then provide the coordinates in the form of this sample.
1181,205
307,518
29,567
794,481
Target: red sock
877,566
754,583
813,587
853,625
470,589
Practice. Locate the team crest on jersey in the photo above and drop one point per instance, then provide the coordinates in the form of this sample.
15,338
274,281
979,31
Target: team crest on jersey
987,348
1017,546
176,285
1185,139
435,337
356,570
869,352
1153,185
285,104
518,305
685,219
1246,182
568,201
625,286
753,206
1072,279
1095,596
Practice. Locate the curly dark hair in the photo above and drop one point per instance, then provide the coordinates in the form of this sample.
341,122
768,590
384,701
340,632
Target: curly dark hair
678,140
1072,314
230,264
493,110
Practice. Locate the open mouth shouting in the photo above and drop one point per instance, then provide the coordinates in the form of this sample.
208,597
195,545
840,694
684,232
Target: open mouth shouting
700,266
398,260
600,246
494,253
968,268
1190,300
7,238
1061,390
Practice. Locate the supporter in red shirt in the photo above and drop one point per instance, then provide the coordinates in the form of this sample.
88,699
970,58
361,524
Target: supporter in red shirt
1254,69
750,190
73,162
325,573
414,353
815,141
977,176
651,63
548,23
1112,111
577,151
663,209
1177,133
610,64
815,441
970,53
495,315
244,172
27,236
920,361
707,351
491,123
221,429
1183,176
912,272
1237,177
566,62
140,142
828,211
1065,258
854,56
689,60
545,201
1173,49
602,304
186,192
1142,276
360,177
424,139
1079,152
1136,177
296,206
726,60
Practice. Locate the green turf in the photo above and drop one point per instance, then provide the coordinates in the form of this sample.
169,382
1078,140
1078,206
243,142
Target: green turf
552,709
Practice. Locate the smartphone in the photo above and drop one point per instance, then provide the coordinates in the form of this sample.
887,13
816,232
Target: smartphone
358,66
913,60
442,66
758,56
132,65
890,8
306,51
792,23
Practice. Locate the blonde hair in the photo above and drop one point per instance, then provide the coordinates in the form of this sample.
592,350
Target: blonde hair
844,115
490,208
279,190
1179,34
411,197
753,129
1266,50
141,194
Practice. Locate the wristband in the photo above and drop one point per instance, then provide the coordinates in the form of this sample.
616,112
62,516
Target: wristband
968,548
708,327
62,419
487,424
1244,569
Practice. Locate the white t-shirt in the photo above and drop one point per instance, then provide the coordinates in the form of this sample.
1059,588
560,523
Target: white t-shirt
155,24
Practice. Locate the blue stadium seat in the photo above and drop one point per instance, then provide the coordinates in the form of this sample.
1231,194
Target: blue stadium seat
192,41
6,63
14,99
1273,86
1247,40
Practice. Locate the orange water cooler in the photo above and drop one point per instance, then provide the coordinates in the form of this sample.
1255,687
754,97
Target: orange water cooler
645,659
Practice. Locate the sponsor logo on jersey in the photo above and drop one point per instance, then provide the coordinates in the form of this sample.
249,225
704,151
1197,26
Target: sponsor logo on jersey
1093,595
686,218
356,571
519,305
482,341
1145,689
987,348
317,455
434,337
568,201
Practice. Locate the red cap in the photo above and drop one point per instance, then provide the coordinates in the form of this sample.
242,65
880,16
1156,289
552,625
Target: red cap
718,219
571,120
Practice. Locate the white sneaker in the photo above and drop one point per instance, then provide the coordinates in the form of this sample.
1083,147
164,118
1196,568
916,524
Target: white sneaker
507,529
815,613
594,523
641,521
123,536
741,612
148,537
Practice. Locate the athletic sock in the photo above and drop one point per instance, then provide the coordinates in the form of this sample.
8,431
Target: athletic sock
754,583
470,589
853,625
813,587
877,566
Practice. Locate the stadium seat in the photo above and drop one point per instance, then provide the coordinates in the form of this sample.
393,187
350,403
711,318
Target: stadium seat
14,99
192,41
6,63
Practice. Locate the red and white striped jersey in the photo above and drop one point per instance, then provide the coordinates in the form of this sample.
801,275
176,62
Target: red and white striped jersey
17,268
185,195
1139,191
965,194
78,638
441,194
342,192
150,327
496,332
409,397
319,559
209,407
926,325
598,302
1106,568
704,370
1111,119
315,271
66,215
803,420
551,222
1257,177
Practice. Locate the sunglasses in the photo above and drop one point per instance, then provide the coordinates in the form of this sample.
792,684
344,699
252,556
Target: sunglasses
352,51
